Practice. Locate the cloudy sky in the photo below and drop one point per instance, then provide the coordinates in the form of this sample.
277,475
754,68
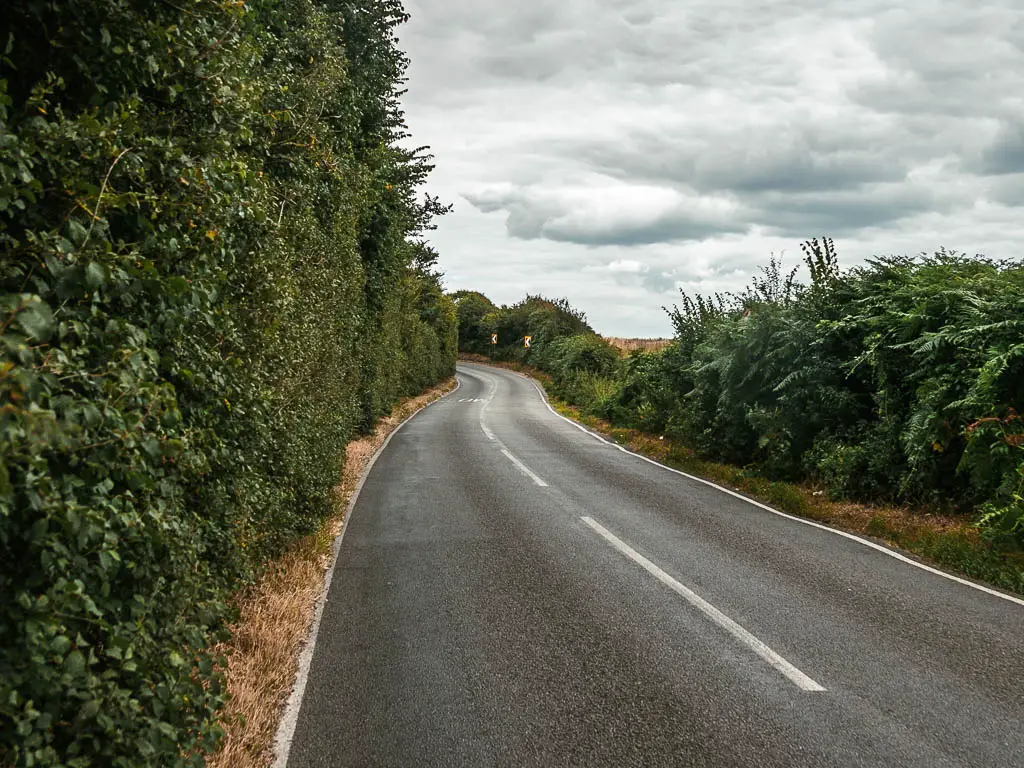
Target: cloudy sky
616,151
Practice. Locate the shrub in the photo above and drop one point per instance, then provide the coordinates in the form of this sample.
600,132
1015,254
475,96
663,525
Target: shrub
212,277
901,379
580,353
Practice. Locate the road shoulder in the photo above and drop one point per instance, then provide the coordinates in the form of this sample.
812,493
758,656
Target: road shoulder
273,640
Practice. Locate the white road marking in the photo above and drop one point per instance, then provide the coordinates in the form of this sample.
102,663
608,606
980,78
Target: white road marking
490,436
795,676
852,537
483,411
523,468
290,718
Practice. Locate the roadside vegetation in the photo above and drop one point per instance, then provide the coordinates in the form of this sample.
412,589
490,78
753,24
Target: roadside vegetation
898,384
276,613
213,278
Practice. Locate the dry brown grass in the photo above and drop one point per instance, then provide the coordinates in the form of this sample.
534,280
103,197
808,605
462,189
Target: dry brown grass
631,345
275,615
473,357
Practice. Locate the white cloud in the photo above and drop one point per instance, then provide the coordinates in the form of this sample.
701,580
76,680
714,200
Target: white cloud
629,266
609,151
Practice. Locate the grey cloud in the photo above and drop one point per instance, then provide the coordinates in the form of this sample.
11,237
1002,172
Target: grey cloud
795,169
532,217
955,60
638,17
659,282
837,214
526,223
653,281
768,123
1008,189
1006,153
748,162
673,227
782,212
489,202
524,65
641,275
730,264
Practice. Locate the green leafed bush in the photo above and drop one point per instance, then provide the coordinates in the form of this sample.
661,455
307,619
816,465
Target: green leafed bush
212,278
899,380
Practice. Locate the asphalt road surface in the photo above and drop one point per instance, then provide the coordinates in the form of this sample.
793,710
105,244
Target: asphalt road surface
512,591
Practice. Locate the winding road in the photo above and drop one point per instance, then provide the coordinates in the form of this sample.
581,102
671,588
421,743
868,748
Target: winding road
511,590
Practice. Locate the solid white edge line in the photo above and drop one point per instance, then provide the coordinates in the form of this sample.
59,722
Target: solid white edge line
794,675
290,717
766,508
523,468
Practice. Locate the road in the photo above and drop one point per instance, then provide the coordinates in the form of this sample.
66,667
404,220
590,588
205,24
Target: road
512,591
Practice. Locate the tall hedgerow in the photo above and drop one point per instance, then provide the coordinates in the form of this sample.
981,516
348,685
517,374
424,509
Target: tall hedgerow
212,276
901,379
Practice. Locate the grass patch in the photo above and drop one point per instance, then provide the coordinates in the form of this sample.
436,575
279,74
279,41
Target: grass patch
276,613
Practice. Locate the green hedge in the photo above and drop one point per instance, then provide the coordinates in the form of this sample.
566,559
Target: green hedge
900,380
212,278
544,320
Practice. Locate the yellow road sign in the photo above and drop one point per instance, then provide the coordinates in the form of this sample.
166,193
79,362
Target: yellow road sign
494,338
526,341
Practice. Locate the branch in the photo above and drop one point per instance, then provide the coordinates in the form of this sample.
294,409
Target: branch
99,197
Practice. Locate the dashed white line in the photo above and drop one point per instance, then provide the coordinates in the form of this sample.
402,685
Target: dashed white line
483,410
795,676
523,468
877,547
490,436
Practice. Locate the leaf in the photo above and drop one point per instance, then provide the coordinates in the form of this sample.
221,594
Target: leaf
60,644
76,231
39,528
37,320
74,663
95,275
89,710
176,285
151,447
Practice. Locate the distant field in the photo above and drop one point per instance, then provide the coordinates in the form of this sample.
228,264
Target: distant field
631,345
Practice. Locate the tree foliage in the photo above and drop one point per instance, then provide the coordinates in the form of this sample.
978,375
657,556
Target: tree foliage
544,320
213,274
902,379
871,379
476,313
